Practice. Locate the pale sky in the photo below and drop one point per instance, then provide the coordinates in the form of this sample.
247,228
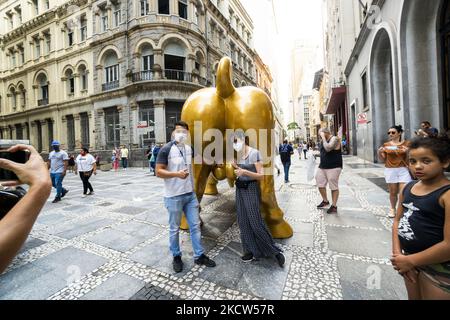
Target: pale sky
295,19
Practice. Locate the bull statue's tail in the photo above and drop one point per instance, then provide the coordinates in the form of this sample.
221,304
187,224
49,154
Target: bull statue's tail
225,86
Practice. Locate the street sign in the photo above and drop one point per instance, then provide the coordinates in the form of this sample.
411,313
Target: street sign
362,118
142,124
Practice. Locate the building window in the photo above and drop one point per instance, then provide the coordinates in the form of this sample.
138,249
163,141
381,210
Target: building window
84,124
112,73
70,82
48,47
19,132
83,28
104,20
37,48
116,16
364,89
10,19
12,55
35,7
70,38
112,128
43,90
19,14
47,4
145,7
83,77
13,99
70,132
163,7
182,9
21,55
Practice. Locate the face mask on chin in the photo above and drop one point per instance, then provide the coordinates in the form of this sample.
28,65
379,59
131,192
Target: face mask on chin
180,137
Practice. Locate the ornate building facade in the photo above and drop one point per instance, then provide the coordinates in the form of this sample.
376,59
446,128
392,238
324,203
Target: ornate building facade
112,72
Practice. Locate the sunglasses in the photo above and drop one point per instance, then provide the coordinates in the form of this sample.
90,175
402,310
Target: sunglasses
391,133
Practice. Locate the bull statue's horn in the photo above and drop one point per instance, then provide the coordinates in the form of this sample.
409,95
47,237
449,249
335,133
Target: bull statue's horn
224,84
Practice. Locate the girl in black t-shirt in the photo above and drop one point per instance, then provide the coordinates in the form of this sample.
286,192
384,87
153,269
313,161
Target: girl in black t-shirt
421,231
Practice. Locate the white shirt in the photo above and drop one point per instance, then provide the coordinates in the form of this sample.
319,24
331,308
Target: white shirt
85,163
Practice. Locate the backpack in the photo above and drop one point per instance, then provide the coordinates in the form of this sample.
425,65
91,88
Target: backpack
285,154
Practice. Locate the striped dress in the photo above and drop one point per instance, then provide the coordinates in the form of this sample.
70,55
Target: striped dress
255,235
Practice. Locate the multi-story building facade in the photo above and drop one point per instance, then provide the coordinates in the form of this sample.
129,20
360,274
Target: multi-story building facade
396,73
264,81
110,72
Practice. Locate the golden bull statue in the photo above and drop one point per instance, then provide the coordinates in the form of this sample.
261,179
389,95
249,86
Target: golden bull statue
227,107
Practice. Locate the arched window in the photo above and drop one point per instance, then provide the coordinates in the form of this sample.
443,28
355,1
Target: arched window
42,83
236,84
147,58
111,71
70,82
12,92
174,61
200,63
82,72
22,93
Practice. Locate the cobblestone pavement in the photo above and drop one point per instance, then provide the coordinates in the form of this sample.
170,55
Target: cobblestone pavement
114,245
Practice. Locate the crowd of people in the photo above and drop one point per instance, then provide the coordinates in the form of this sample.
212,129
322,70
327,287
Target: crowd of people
419,196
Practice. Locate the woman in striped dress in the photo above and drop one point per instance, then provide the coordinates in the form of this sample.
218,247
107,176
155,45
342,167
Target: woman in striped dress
257,242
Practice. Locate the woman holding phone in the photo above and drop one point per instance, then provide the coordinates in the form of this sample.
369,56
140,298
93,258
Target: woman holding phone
394,154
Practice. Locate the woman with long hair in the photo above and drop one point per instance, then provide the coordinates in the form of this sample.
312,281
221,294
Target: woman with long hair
394,154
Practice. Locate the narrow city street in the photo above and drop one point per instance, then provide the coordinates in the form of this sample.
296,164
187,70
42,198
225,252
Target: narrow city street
114,245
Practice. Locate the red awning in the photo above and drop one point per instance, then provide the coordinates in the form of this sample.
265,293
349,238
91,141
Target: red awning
336,100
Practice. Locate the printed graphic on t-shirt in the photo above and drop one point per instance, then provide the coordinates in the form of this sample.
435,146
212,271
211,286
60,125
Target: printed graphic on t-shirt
404,229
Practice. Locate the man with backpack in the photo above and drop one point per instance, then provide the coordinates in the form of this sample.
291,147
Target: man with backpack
286,152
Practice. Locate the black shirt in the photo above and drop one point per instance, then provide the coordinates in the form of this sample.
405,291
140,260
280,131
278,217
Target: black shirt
330,160
422,225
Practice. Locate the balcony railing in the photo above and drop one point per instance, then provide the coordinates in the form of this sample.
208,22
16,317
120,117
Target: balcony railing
142,76
110,85
42,102
170,74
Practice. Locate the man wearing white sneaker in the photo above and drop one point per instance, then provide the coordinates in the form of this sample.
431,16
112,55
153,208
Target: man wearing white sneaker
86,165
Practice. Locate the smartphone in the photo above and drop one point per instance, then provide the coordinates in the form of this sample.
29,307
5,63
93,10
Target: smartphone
19,157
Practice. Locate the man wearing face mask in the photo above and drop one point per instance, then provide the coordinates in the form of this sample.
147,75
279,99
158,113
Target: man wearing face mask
174,165
58,160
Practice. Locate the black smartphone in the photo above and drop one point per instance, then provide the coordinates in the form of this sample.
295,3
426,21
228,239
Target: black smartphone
19,157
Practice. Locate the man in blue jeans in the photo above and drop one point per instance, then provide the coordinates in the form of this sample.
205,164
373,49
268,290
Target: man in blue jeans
174,165
58,161
286,152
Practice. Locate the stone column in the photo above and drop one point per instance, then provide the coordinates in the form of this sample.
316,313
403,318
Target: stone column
190,63
92,141
24,131
77,125
133,122
100,132
34,134
124,125
110,14
62,128
41,40
45,137
158,57
97,29
173,7
12,131
160,121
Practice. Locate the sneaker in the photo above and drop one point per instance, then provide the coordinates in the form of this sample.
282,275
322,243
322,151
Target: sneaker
177,264
205,261
91,193
57,199
323,205
281,259
84,196
332,210
65,191
392,213
248,257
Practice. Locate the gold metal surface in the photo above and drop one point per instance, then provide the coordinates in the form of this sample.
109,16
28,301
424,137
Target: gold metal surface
227,107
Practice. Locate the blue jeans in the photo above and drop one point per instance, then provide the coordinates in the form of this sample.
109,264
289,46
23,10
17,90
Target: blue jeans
125,163
286,166
57,179
189,204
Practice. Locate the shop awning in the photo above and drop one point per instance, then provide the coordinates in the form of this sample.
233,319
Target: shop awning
336,100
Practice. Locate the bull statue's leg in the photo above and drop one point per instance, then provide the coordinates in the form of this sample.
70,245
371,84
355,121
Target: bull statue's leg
211,186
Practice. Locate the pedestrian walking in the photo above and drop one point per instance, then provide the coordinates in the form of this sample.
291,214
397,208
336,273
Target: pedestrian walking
150,158
421,230
86,165
330,169
286,152
115,158
174,165
257,242
71,164
155,153
300,150
58,161
124,155
394,154
305,150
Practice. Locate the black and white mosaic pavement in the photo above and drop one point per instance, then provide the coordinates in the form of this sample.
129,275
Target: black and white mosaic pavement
114,245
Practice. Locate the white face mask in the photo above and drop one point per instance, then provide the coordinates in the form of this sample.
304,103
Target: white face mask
180,137
238,146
